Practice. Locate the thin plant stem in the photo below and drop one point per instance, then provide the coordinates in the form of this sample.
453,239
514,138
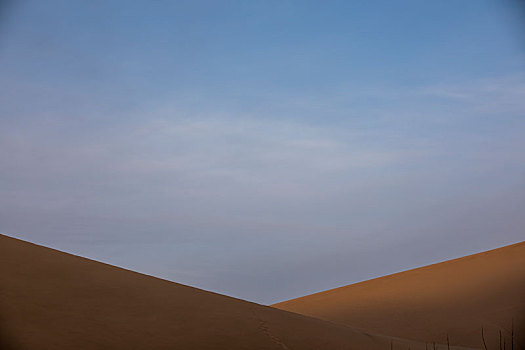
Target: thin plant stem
483,338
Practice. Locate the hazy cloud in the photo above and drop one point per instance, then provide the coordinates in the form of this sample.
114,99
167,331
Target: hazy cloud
266,152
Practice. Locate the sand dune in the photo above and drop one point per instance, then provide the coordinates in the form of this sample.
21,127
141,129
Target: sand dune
54,300
457,297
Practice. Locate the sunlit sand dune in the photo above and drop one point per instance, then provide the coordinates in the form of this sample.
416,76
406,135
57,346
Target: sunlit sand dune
54,300
456,297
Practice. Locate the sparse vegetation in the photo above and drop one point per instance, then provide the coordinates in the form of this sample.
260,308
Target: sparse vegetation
502,341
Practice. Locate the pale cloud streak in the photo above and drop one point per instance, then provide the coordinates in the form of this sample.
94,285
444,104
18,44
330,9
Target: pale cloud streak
226,200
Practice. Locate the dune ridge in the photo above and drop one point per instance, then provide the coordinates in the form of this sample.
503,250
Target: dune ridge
54,300
457,298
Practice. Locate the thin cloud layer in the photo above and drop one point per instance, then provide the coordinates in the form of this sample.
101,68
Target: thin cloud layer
211,199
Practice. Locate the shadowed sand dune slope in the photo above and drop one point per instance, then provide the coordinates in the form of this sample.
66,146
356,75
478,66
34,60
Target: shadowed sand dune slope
54,300
457,297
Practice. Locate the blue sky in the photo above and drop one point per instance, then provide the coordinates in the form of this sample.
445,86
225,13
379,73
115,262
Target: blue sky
263,149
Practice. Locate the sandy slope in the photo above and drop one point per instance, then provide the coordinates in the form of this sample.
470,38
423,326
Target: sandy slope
54,300
457,297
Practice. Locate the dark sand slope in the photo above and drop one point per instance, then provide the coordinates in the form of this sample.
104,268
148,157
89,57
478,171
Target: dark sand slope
54,300
457,297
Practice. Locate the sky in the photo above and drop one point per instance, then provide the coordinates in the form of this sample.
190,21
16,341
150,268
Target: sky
263,149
